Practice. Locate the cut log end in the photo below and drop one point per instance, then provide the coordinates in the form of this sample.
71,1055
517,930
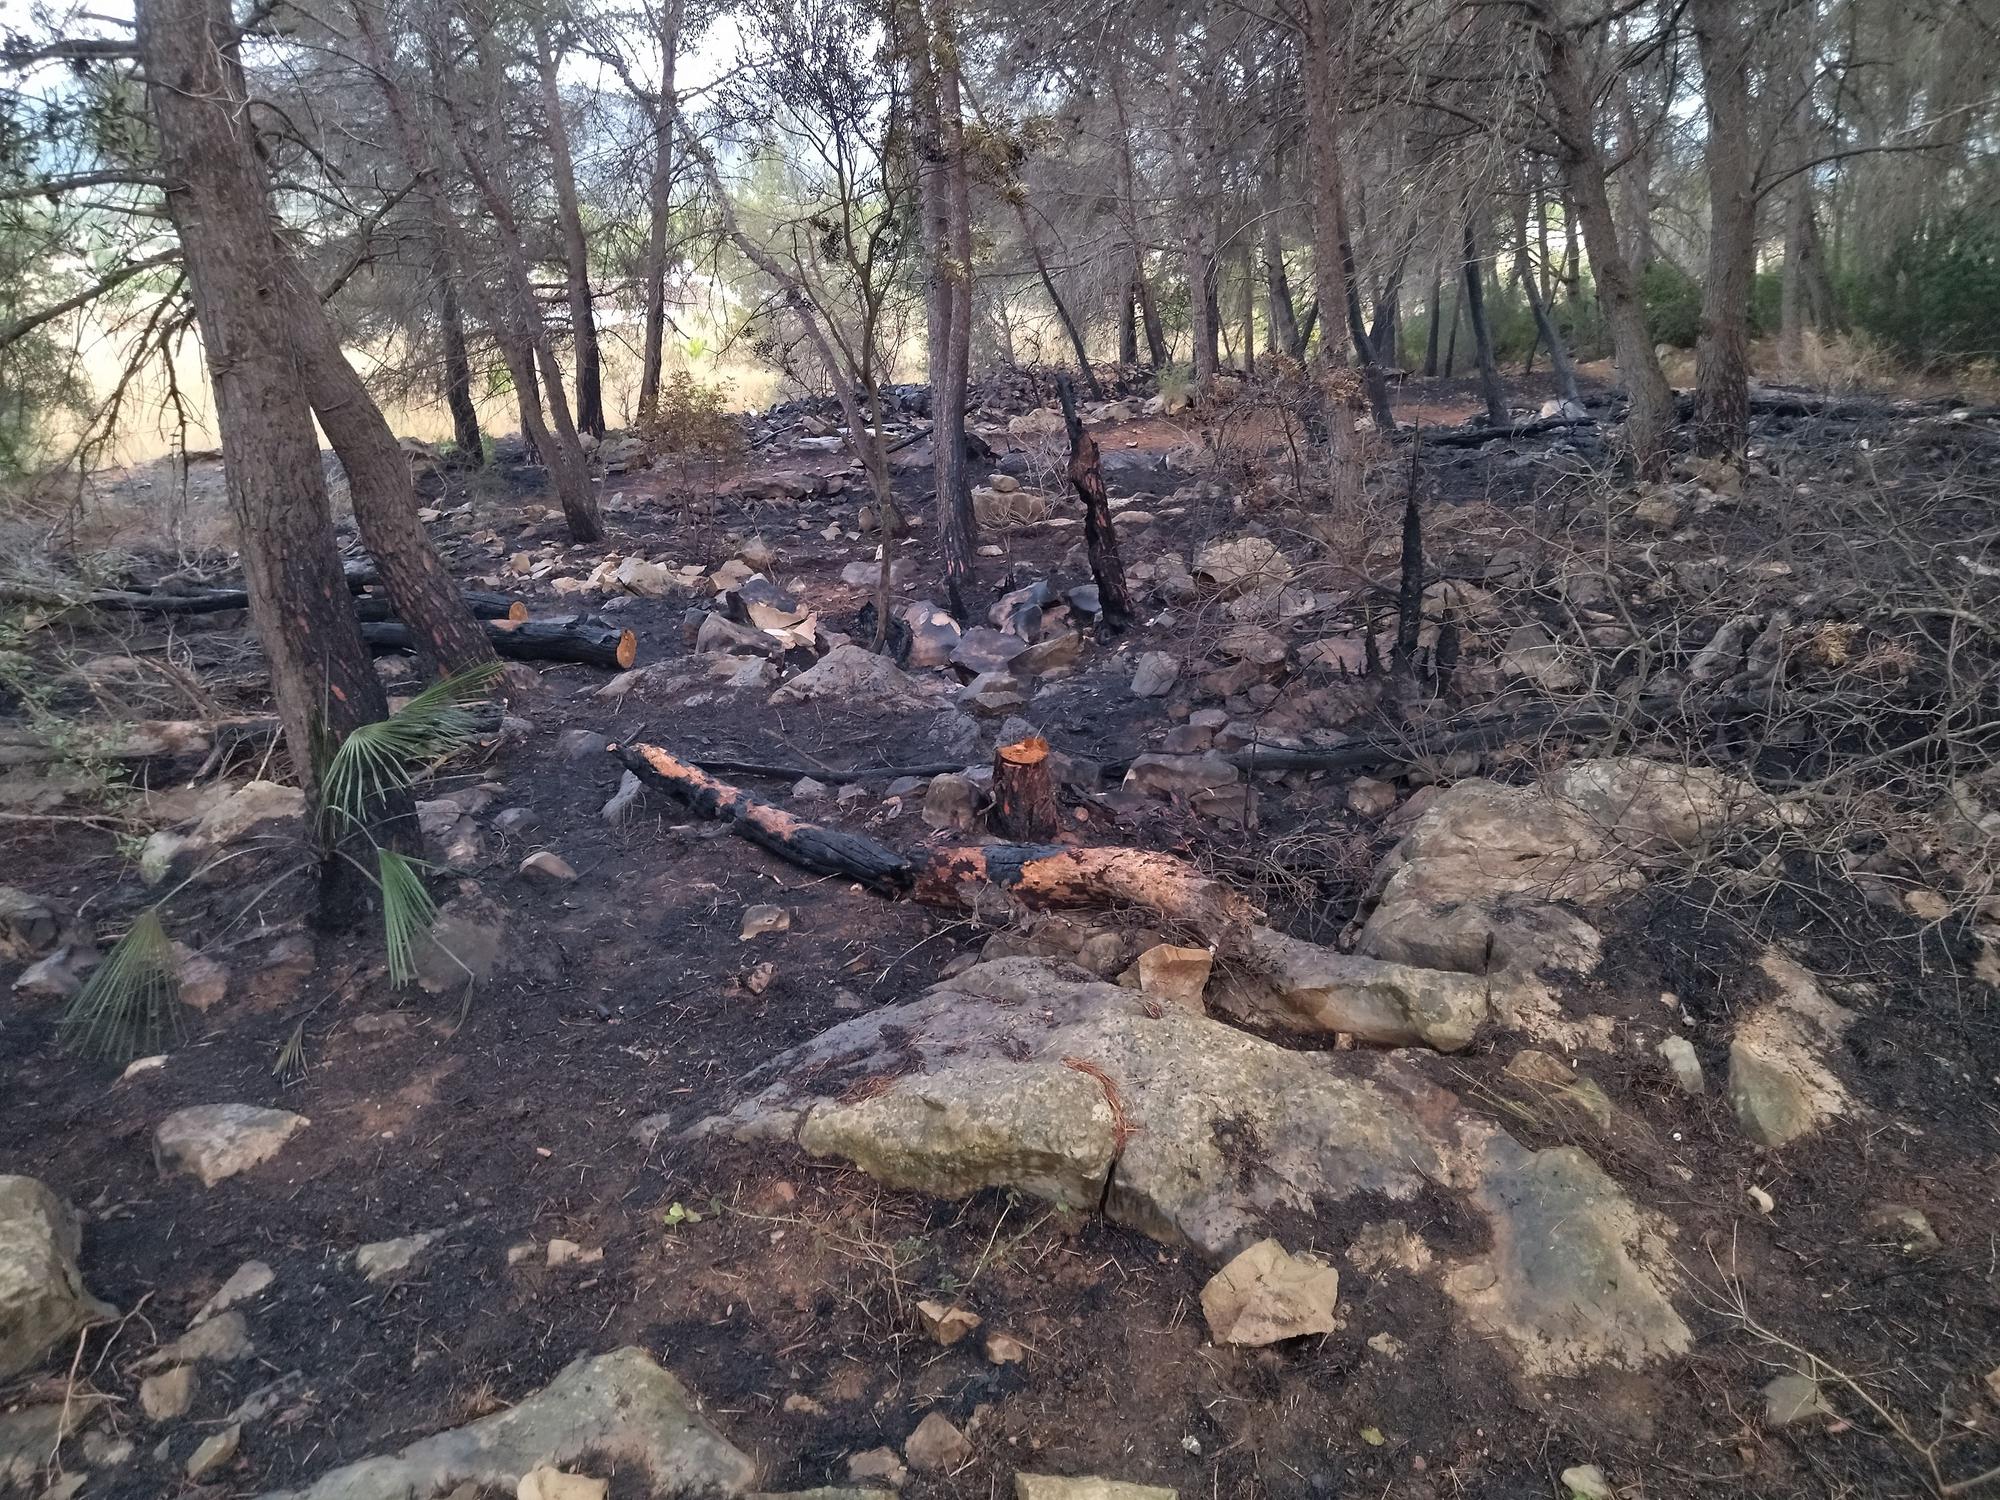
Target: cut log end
518,610
628,647
1024,796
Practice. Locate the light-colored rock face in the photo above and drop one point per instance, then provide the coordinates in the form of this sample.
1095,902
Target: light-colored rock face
1193,1132
1267,1295
1303,987
1780,1085
859,678
42,1296
618,1410
217,1141
1089,1487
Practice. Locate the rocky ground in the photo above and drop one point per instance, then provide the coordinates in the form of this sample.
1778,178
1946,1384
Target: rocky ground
1579,1082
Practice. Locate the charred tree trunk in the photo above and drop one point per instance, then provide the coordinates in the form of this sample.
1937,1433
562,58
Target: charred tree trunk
1278,294
1482,335
1651,410
1128,328
1100,540
1335,276
1149,315
1722,356
576,249
1436,326
1024,794
457,367
1545,324
659,212
321,678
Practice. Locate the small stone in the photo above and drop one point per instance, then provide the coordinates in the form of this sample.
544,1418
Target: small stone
878,1463
994,693
51,978
1926,905
525,1251
805,789
1587,1482
568,1252
1685,1065
1793,1398
217,1141
1089,1487
759,978
214,1452
387,1259
1267,1294
944,1323
1005,1349
515,821
936,1446
545,1483
758,920
548,866
1369,798
1176,975
248,1280
1907,1229
580,744
1155,675
167,1395
951,802
222,1340
1763,1201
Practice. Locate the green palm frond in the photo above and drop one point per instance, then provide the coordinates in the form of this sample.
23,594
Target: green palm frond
376,759
408,913
131,1002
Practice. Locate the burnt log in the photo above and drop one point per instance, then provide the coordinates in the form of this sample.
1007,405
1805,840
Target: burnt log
482,604
826,851
568,640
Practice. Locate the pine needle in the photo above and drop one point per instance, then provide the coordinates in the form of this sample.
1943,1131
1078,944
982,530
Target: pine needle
291,1064
130,1005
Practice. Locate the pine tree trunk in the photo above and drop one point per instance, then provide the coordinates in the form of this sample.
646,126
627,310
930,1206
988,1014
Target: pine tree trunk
457,367
321,677
1650,413
1278,293
1482,335
1722,356
1128,327
659,212
1149,315
576,249
1545,324
1437,327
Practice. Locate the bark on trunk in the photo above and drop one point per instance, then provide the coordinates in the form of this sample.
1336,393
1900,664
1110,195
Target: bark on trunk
1024,794
1128,327
659,211
1335,278
466,437
321,678
576,249
1651,401
1100,540
1482,335
448,639
1722,354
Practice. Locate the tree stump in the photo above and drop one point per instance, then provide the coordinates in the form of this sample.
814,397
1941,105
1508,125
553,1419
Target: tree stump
1024,796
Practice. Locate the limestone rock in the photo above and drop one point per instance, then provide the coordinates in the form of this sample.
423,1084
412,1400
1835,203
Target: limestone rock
945,1323
878,1463
1155,675
549,868
43,1300
1240,565
216,1450
618,1409
1301,986
1793,1398
1014,1074
1267,1294
217,1141
29,926
1179,775
951,802
1177,975
983,649
251,1279
858,678
221,1340
936,1447
1089,1487
1684,1064
1779,1083
385,1260
545,1483
167,1395
1369,798
994,693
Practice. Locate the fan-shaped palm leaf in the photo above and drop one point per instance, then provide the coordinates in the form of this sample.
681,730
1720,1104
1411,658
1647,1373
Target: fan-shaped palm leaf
131,1002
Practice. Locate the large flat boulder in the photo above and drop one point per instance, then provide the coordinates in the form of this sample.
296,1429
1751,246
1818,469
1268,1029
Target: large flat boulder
617,1410
43,1300
1019,1073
